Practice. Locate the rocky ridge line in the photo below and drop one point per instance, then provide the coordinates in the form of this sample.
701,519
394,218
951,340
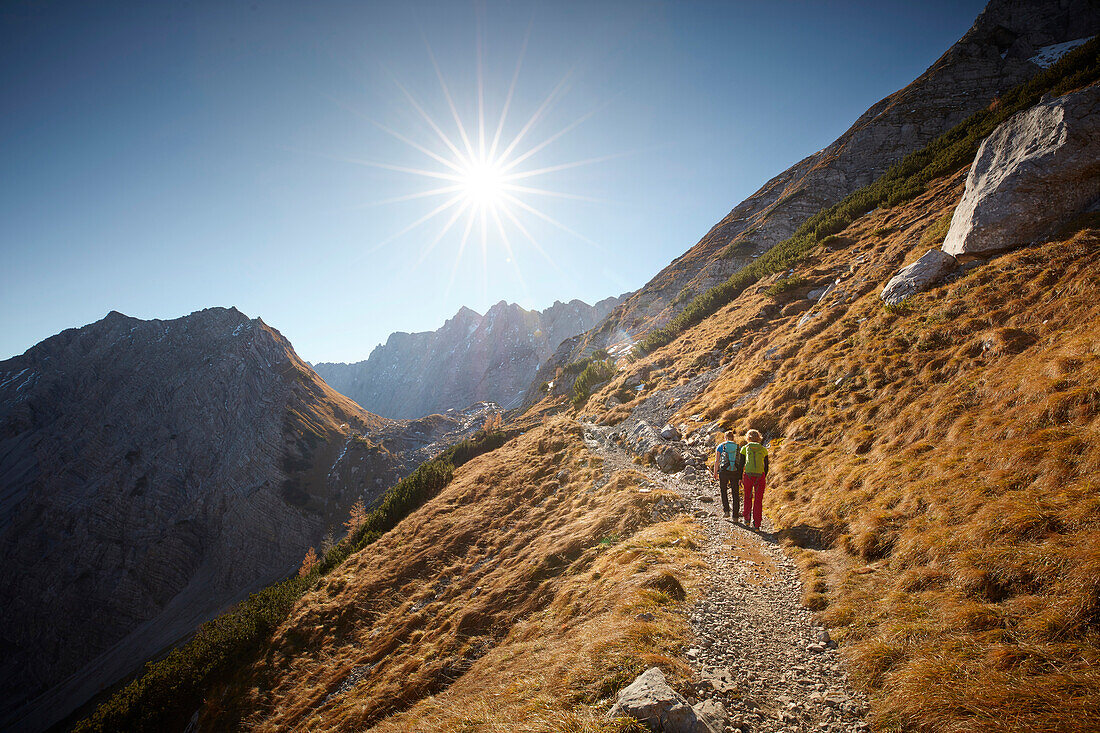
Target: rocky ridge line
1010,41
471,358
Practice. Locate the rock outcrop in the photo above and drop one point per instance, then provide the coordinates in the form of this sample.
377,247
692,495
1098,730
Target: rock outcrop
650,700
155,472
471,358
1033,172
918,276
995,55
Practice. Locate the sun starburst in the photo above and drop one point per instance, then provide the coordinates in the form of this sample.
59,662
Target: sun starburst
482,171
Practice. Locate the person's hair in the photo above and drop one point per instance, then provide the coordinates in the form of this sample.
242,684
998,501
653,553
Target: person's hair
754,436
730,435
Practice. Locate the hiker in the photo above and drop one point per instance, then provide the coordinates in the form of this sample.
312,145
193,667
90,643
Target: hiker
755,468
728,462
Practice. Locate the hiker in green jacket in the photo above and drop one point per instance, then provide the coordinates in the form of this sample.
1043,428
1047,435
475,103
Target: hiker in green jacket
727,472
752,481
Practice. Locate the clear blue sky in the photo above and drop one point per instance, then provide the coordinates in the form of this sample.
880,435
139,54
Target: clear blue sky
157,158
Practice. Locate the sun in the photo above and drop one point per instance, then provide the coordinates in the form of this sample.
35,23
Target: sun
483,172
484,183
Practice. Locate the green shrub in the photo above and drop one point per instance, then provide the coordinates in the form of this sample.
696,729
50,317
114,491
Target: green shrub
787,283
738,248
904,181
684,296
595,373
169,690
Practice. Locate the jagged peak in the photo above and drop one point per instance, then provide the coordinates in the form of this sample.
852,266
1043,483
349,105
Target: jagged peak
466,313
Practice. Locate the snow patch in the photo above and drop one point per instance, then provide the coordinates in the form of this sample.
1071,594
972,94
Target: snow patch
17,376
1049,55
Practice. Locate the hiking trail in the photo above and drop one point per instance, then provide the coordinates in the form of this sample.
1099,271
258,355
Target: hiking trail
756,649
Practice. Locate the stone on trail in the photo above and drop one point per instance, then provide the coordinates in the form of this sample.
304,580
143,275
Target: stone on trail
670,433
713,713
669,459
650,700
918,277
1038,169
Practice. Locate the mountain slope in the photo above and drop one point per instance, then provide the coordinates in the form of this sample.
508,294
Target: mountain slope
933,471
935,462
153,472
524,577
469,359
993,56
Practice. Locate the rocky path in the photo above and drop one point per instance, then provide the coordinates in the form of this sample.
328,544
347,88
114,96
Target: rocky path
757,650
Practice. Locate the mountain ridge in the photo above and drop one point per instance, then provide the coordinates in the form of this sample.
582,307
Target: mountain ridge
470,358
995,54
154,471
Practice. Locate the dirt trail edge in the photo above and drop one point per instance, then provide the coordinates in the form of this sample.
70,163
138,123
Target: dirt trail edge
757,650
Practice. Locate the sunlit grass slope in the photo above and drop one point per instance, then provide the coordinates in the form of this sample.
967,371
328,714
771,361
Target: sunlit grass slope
939,459
521,598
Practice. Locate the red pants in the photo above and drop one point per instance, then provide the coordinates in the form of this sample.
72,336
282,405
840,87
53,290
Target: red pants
753,485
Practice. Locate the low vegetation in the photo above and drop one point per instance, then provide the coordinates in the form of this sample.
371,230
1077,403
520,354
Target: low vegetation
169,690
596,373
520,598
905,180
785,285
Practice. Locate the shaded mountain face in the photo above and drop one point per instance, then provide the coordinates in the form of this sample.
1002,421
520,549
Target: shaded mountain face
1008,44
153,473
471,358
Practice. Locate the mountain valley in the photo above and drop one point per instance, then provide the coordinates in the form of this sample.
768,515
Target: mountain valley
510,523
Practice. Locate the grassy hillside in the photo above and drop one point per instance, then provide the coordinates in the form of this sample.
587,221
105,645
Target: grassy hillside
938,460
908,178
511,601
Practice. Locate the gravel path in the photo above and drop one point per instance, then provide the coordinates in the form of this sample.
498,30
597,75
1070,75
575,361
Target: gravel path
756,649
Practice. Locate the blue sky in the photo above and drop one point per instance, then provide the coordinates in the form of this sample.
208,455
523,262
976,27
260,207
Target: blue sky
159,158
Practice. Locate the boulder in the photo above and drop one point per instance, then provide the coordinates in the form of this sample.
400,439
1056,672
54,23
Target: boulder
918,276
670,433
1036,170
643,438
650,700
669,459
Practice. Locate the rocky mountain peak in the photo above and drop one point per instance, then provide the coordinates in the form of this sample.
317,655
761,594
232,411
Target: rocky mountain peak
1004,47
471,358
153,472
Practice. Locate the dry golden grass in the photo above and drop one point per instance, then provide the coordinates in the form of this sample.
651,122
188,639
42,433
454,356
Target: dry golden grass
946,456
519,599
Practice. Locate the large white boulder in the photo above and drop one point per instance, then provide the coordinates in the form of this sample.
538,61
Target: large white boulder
918,276
1036,170
649,699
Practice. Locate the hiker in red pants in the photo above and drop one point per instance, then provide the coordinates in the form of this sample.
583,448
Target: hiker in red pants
752,480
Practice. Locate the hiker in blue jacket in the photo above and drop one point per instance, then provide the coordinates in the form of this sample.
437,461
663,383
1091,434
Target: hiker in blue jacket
728,465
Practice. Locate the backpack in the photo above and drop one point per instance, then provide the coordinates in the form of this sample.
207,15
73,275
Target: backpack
755,455
723,457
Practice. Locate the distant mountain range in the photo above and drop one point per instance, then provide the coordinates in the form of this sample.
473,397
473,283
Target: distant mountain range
470,358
